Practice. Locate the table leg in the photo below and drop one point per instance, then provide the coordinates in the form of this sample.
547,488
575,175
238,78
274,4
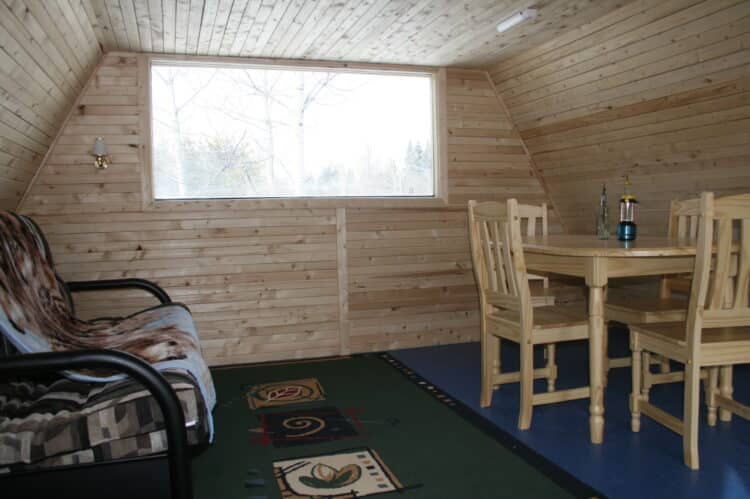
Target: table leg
596,279
596,364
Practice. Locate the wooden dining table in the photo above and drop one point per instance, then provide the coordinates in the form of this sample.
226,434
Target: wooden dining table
598,260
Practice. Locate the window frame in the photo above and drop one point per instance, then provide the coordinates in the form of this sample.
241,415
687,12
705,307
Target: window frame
439,123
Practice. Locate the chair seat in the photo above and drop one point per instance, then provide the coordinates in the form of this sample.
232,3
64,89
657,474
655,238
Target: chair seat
719,346
551,324
547,317
630,309
675,332
560,316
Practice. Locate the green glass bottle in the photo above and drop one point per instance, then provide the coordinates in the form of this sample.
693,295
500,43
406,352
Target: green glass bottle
602,219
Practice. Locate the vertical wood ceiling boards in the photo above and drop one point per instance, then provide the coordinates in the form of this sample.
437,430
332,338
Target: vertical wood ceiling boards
430,32
263,282
47,51
658,90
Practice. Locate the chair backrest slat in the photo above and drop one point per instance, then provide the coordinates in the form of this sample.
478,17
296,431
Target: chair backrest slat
693,227
531,226
743,268
683,218
499,258
491,267
718,286
497,254
681,227
531,217
508,250
720,295
683,224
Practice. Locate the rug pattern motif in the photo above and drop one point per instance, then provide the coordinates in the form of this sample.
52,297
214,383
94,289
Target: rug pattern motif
284,393
342,475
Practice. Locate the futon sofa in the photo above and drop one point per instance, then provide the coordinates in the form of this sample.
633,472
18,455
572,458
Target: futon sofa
77,393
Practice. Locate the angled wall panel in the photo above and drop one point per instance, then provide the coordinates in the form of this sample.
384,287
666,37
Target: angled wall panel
47,51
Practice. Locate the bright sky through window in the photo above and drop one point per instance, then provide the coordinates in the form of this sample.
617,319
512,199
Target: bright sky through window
249,132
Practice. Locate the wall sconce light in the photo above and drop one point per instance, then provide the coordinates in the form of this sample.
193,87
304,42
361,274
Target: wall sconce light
101,160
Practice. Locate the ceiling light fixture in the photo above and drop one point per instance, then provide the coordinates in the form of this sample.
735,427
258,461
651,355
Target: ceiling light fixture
515,19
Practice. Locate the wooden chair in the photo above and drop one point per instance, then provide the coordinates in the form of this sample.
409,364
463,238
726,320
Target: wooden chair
529,215
628,309
716,333
541,296
507,312
667,307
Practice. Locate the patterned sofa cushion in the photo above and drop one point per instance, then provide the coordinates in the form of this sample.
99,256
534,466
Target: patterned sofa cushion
36,315
72,422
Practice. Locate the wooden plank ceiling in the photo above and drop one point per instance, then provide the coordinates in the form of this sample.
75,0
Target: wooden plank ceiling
430,32
49,48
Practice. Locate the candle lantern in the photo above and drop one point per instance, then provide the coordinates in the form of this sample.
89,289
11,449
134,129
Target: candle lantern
626,228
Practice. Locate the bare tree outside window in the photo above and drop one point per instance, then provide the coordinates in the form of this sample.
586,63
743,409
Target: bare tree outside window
239,132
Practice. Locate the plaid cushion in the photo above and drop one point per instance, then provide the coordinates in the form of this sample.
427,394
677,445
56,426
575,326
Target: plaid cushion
70,422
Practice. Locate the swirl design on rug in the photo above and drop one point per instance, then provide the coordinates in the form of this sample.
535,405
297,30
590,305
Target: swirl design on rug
307,425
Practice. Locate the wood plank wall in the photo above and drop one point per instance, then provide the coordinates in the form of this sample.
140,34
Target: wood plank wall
283,282
47,51
410,278
660,90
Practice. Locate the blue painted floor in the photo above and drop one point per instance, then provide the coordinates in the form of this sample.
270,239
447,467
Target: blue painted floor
646,464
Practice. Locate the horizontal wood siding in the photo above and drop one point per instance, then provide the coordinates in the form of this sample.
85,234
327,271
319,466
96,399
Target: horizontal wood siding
410,275
658,90
266,283
47,51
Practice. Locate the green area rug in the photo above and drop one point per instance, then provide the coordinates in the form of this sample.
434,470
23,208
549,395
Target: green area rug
359,427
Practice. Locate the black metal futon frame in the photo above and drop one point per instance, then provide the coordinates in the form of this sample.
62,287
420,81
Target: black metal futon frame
161,475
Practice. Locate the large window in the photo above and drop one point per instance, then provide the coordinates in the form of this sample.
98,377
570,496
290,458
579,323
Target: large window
273,131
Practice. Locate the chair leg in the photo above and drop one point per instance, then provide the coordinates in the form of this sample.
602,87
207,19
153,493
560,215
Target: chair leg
712,386
552,367
646,376
635,395
497,352
690,418
527,386
725,372
490,352
605,356
725,389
